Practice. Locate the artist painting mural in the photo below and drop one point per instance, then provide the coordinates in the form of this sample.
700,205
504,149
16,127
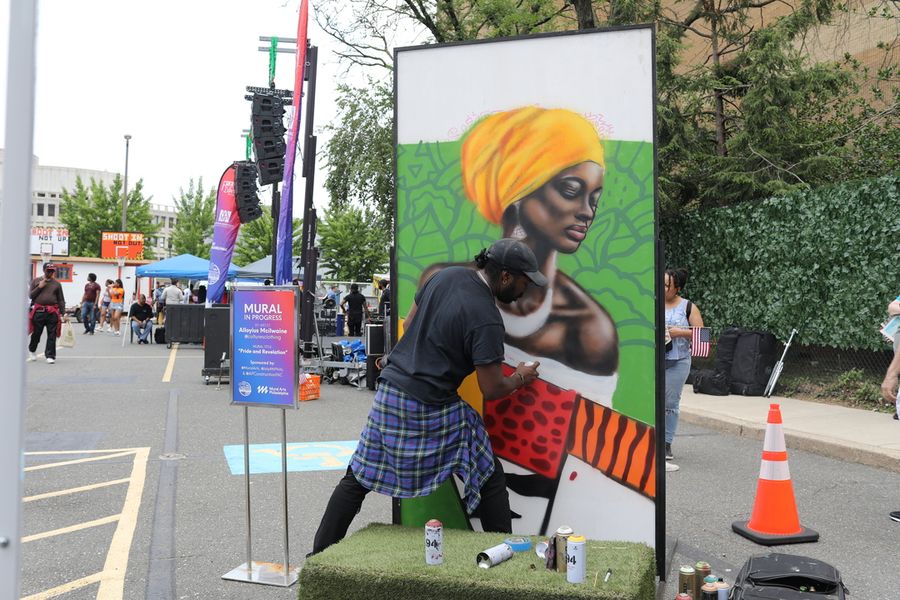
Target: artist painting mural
561,159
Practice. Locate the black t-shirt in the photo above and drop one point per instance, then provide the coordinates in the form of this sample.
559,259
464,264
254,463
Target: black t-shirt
456,326
141,313
355,302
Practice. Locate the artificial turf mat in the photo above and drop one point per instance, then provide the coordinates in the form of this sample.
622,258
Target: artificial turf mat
387,562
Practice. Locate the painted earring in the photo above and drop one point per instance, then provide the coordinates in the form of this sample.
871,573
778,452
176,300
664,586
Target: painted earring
518,232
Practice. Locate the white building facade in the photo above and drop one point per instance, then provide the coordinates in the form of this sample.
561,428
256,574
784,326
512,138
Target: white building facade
48,183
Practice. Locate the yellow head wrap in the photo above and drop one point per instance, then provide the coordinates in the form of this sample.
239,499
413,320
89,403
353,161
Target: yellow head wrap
508,155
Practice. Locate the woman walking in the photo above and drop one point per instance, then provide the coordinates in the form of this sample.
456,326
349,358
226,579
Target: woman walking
104,305
681,316
116,304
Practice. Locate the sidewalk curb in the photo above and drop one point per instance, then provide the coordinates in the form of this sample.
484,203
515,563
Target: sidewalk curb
859,453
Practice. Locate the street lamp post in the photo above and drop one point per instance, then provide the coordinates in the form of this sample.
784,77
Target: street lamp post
125,194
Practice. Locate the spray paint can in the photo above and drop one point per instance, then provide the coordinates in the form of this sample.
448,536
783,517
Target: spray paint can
709,591
710,579
494,556
576,569
434,542
683,596
702,569
722,588
562,537
686,576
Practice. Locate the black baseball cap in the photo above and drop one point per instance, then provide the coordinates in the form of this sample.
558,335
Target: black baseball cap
512,255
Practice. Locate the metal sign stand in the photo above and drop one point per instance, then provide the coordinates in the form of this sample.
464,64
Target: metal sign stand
266,573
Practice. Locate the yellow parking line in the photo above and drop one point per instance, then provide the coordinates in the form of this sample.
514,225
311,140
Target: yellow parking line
49,452
83,488
71,528
167,375
77,461
113,585
66,587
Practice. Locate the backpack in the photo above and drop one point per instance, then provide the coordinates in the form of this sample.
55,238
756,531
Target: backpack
754,358
159,335
787,577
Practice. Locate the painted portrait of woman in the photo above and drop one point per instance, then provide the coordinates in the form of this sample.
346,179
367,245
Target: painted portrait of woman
539,174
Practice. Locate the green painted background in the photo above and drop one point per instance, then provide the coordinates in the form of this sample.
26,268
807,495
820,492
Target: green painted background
436,223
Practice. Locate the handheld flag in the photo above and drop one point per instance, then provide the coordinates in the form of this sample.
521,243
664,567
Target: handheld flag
700,341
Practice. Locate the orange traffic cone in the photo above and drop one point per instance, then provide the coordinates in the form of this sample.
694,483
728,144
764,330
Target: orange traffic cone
774,520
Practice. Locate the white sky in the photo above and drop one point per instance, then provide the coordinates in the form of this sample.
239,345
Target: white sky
172,74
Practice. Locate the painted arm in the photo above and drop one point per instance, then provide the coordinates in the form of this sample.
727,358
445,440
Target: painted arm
494,385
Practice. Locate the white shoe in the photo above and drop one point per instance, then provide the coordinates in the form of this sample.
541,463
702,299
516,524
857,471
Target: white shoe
670,467
117,332
31,357
50,361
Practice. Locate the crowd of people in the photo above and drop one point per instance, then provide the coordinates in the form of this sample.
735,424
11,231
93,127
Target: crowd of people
101,308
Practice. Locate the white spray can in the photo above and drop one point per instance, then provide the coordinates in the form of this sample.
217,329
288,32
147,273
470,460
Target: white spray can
575,559
434,542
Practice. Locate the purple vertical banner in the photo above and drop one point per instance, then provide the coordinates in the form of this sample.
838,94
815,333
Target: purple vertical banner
285,234
225,232
264,347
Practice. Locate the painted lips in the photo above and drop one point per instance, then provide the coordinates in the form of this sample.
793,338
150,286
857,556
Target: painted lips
576,232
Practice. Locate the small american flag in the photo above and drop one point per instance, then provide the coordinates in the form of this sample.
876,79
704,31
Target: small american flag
700,341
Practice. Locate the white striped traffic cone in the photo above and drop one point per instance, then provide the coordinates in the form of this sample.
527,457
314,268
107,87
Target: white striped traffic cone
774,520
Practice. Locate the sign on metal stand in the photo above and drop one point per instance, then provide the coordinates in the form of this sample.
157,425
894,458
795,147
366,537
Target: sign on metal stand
264,372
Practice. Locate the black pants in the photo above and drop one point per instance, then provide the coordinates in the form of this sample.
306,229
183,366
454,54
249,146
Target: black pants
44,319
348,496
354,324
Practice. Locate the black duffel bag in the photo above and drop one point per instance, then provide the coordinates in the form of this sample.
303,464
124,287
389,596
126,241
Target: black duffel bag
777,576
711,381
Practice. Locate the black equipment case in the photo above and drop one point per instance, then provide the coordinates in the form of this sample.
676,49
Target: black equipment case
787,577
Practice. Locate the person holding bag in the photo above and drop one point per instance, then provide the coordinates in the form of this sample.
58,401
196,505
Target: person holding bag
47,307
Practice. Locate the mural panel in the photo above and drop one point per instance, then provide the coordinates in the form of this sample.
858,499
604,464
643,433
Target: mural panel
548,140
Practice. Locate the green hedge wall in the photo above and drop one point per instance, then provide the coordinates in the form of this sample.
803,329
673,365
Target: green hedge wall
826,261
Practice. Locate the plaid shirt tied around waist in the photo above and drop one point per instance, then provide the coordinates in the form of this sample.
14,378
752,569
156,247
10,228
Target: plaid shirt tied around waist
408,448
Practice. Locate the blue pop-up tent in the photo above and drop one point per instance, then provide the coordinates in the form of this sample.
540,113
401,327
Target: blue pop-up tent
184,266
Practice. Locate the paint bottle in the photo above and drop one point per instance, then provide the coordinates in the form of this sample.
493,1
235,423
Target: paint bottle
722,589
710,579
576,569
683,596
562,538
434,542
686,575
702,569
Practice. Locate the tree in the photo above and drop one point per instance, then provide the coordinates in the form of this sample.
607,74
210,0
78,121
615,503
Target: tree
365,28
750,116
196,214
255,238
354,245
86,211
360,149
